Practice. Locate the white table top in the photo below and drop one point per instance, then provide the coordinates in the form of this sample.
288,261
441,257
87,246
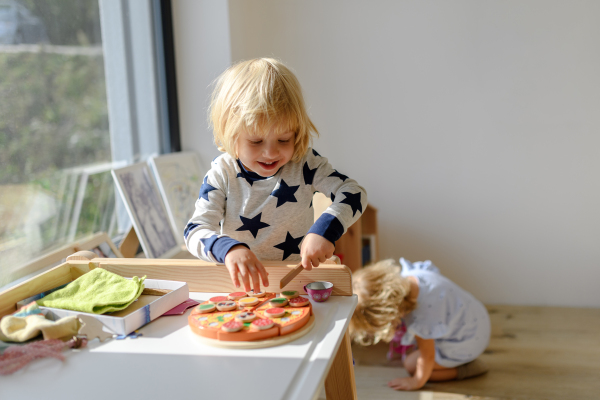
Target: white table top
169,361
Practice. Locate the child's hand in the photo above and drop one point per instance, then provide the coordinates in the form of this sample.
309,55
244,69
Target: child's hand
240,259
410,383
315,250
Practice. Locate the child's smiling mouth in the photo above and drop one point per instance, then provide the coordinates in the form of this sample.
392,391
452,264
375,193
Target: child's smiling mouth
268,165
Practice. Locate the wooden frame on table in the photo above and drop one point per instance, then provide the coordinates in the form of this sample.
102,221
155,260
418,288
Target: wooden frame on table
100,243
350,246
205,277
179,177
147,211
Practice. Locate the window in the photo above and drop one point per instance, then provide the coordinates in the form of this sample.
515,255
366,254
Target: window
83,88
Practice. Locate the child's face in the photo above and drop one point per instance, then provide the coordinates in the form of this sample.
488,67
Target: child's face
265,155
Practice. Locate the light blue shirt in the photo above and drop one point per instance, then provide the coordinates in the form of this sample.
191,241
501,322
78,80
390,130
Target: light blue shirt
457,322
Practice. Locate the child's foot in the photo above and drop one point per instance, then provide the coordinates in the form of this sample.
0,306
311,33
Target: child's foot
471,369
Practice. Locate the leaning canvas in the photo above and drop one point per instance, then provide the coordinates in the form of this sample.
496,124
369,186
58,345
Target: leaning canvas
179,177
146,210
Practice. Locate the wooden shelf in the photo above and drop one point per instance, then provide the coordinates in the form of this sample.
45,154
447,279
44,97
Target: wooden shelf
350,246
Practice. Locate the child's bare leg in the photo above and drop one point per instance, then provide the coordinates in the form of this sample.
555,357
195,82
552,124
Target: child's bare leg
438,374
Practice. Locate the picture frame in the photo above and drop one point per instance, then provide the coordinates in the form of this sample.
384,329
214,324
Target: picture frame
99,242
179,177
147,211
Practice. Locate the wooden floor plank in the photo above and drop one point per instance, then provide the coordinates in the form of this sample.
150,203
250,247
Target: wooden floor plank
535,353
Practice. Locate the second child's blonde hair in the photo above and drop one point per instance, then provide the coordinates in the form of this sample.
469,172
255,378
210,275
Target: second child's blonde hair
258,95
382,300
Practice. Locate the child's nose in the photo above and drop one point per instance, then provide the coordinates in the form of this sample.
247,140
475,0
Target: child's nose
272,149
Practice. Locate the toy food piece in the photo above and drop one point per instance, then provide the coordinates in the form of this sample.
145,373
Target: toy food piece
248,301
257,294
236,295
226,305
299,302
262,324
232,326
278,302
246,316
218,299
275,312
206,308
290,294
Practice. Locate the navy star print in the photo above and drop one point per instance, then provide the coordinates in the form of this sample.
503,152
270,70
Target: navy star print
315,153
252,224
309,174
285,193
205,189
290,246
208,243
353,200
332,197
240,175
338,175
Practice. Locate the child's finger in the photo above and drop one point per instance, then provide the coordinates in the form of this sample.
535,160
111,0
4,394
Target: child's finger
263,273
306,264
255,278
245,277
233,272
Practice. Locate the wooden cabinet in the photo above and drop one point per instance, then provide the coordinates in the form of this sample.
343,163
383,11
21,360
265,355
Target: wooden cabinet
360,244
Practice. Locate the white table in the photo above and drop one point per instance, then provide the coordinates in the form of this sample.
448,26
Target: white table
170,362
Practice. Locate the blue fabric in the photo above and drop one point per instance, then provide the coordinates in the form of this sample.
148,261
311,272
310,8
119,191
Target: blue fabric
250,176
328,226
188,228
220,246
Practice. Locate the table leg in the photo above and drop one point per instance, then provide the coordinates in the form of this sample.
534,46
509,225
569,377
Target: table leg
340,383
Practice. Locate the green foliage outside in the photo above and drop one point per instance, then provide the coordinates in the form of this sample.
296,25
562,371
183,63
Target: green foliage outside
53,115
53,118
68,22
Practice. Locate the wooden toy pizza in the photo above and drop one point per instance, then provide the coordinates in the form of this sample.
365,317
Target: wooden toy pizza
251,325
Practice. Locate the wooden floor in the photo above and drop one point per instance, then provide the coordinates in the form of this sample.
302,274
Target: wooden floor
534,353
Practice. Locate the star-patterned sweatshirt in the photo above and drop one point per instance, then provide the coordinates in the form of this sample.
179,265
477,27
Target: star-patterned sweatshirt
270,215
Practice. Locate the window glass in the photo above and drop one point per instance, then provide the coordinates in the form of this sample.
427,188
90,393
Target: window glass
55,183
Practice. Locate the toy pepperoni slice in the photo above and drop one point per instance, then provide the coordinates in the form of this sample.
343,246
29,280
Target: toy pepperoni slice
248,301
290,294
246,316
299,302
218,299
278,302
257,294
205,308
232,326
262,324
226,305
275,312
236,295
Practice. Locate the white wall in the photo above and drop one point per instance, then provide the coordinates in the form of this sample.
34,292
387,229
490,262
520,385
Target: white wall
474,126
202,51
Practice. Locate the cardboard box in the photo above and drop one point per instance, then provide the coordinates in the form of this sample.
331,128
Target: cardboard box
142,311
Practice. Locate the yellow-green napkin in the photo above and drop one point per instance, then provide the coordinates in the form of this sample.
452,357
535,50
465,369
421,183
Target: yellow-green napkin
98,292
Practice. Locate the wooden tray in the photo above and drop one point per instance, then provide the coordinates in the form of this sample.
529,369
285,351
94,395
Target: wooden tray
201,276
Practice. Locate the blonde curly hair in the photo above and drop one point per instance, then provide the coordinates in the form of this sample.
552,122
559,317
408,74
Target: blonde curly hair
258,95
382,300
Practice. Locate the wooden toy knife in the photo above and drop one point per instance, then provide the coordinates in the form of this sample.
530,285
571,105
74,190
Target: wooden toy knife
290,275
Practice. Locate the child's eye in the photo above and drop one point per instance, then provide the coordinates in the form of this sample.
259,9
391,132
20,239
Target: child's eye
284,141
255,141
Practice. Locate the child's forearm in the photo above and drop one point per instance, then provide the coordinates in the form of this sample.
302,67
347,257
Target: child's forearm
426,360
424,369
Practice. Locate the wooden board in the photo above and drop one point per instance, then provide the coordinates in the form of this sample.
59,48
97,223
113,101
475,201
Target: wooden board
206,277
201,276
276,341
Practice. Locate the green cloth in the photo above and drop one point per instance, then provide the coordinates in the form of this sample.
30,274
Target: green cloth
98,292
